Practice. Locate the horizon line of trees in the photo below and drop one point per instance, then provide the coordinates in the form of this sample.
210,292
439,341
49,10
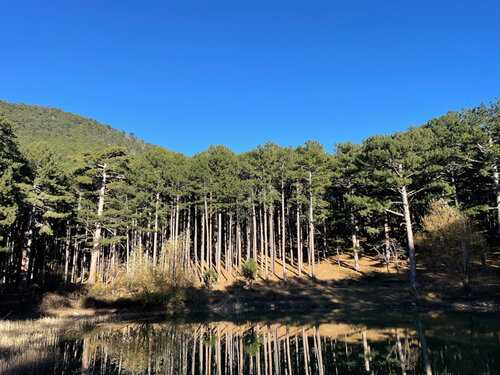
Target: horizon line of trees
275,205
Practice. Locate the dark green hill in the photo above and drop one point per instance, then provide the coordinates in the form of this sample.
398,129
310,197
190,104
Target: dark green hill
67,133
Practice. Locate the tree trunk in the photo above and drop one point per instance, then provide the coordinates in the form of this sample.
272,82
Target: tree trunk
496,179
355,243
272,249
238,239
254,225
283,233
299,241
387,244
266,242
229,255
409,234
96,246
203,220
219,241
195,237
177,214
208,232
311,226
67,252
155,235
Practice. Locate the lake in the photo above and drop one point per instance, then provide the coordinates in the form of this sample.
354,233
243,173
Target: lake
375,343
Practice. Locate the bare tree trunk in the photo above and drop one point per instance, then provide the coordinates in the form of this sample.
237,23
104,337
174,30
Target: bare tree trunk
387,244
155,235
238,239
271,239
254,224
299,241
67,252
219,241
311,226
261,229
229,255
247,238
496,180
207,229
96,247
266,242
283,232
195,235
177,215
128,248
355,244
203,240
76,249
409,234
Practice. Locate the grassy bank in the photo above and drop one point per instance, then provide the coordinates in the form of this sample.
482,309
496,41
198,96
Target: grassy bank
338,286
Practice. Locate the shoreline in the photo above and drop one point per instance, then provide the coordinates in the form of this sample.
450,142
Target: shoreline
223,307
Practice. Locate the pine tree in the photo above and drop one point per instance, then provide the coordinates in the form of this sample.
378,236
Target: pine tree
401,168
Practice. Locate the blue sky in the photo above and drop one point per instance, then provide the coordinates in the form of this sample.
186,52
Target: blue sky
187,74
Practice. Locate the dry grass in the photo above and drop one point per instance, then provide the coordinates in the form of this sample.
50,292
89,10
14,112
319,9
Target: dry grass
148,283
28,342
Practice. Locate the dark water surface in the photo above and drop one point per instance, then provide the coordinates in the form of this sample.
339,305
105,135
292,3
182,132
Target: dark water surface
439,344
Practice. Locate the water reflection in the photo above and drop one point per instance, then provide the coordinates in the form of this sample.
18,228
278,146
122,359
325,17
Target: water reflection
443,346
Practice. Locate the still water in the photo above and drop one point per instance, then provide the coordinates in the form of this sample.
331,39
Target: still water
439,344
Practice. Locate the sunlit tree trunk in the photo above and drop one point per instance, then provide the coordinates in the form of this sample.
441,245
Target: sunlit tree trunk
219,241
387,243
409,235
311,227
496,181
96,246
355,244
299,241
155,235
254,226
283,231
272,248
266,241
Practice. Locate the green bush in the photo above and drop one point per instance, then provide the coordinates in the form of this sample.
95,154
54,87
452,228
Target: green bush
251,343
210,278
249,270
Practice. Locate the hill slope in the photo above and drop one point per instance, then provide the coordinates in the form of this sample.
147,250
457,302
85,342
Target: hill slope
67,133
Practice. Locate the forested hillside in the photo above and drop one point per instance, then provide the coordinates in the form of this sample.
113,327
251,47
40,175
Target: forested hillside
430,194
67,133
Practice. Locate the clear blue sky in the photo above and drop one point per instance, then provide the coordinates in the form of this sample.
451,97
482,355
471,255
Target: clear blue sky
187,74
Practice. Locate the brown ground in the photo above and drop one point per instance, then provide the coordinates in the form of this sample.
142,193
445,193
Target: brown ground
329,269
336,286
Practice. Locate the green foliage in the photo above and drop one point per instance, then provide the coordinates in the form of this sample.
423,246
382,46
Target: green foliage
249,270
69,135
210,277
51,185
14,172
251,343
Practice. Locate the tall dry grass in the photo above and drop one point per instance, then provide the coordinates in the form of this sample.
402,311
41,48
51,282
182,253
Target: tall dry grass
149,283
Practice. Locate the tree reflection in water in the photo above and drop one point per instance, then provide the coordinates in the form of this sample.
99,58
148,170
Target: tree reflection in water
265,349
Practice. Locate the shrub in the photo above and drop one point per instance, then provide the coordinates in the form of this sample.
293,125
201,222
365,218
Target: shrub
449,239
249,270
251,343
210,277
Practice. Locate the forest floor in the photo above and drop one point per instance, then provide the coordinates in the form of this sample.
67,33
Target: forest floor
336,286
